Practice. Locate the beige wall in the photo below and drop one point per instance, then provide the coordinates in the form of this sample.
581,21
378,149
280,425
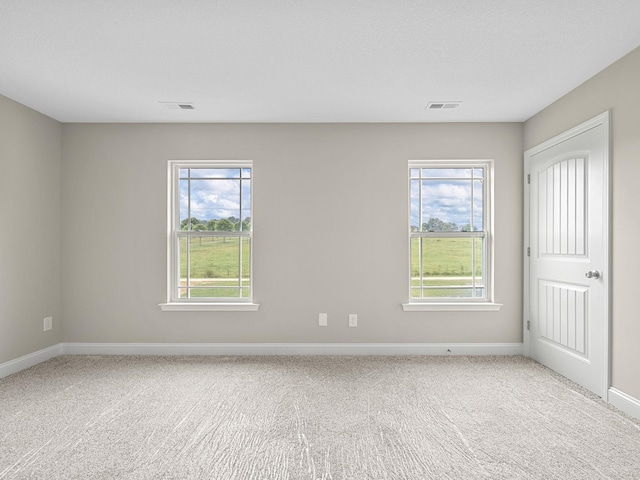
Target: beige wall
30,200
330,212
615,89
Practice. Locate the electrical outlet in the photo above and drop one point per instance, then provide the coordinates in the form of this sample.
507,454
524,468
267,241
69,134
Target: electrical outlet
48,323
353,319
323,319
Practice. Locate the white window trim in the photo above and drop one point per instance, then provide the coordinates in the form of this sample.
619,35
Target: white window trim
209,307
174,303
480,306
440,304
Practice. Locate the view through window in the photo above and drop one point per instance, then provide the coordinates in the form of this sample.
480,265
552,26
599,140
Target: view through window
449,230
211,231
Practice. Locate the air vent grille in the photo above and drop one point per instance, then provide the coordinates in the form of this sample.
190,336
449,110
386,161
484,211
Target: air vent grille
178,105
443,105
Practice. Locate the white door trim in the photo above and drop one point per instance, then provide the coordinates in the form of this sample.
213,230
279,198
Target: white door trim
602,119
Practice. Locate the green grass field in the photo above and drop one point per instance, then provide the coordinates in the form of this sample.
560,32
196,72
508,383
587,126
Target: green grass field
443,258
216,267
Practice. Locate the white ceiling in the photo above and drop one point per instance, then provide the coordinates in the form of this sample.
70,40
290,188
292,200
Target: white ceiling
305,60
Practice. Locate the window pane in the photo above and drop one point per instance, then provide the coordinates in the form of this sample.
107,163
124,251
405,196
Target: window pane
215,173
414,173
415,262
446,205
218,290
479,260
446,172
447,268
447,258
415,205
183,262
478,203
217,267
184,204
213,257
245,213
451,293
439,284
245,261
215,200
246,173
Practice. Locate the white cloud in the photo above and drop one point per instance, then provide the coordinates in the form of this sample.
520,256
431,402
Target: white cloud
212,199
449,201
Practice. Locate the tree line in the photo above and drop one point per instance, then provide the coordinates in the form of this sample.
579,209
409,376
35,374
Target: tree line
229,224
437,225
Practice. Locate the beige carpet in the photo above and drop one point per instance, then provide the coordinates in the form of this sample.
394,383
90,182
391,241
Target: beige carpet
309,418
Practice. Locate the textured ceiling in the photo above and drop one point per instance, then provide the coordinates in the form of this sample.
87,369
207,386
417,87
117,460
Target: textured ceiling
305,60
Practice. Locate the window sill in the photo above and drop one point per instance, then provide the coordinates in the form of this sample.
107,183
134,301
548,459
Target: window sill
451,307
209,307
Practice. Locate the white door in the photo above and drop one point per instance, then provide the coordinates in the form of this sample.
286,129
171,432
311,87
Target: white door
568,258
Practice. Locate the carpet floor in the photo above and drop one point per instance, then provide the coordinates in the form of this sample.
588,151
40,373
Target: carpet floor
311,418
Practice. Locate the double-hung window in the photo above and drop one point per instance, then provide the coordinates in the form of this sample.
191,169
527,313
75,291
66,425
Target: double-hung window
450,233
211,234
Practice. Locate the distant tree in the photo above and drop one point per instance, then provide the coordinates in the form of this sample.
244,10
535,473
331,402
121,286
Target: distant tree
192,220
246,224
437,225
211,225
224,225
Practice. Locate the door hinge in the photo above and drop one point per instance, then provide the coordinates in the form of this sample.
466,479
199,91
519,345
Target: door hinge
528,324
529,178
528,251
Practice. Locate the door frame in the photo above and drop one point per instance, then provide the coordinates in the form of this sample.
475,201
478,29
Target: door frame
604,120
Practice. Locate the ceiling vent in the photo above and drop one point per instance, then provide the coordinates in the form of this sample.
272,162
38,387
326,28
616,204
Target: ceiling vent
442,105
178,105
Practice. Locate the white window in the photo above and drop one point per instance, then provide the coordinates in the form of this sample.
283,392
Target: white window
450,232
211,235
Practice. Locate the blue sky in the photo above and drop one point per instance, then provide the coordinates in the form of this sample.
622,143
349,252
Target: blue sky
447,199
216,198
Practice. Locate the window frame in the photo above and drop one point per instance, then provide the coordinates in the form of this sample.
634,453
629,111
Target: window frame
174,234
457,303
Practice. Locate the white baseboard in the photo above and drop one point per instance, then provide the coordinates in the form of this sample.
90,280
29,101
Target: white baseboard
26,361
619,399
292,348
624,402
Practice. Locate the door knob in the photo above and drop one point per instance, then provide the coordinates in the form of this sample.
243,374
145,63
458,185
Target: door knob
593,274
